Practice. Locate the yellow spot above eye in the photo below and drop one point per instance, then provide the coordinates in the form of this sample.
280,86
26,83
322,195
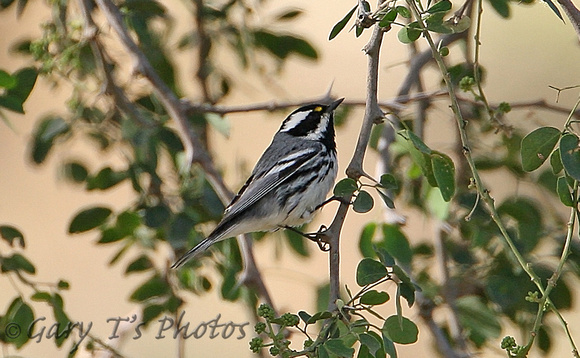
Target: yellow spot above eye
318,109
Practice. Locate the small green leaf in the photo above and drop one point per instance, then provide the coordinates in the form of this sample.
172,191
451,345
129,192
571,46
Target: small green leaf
89,219
41,296
222,125
409,33
369,271
17,262
6,80
396,244
44,136
12,234
537,146
336,29
405,332
63,285
458,26
142,263
154,287
25,80
366,240
389,182
151,312
363,203
372,341
501,7
388,19
338,347
570,154
403,11
156,216
106,178
297,243
564,192
416,141
479,319
441,6
444,172
388,201
75,172
319,316
289,15
345,187
374,297
556,162
21,316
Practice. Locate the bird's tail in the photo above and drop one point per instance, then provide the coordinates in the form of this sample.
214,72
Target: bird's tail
196,250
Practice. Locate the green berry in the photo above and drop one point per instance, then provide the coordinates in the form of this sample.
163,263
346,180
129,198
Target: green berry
260,327
274,350
290,320
266,311
256,344
508,342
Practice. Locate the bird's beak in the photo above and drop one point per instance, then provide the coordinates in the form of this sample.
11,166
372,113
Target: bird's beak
331,107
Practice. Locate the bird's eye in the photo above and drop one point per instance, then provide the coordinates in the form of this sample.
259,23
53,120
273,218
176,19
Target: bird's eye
318,109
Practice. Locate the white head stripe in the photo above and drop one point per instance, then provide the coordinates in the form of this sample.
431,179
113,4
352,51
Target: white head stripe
294,120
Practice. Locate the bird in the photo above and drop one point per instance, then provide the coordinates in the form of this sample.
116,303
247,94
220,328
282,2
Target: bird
288,184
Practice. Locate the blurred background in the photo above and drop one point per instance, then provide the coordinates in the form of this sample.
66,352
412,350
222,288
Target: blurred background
522,55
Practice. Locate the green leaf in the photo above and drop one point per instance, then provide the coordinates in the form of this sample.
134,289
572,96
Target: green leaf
25,80
289,15
336,29
369,271
106,178
537,146
388,201
564,192
89,219
20,316
396,244
528,217
63,285
319,316
416,141
556,162
75,172
388,19
389,182
41,296
441,6
222,125
156,216
338,347
363,203
444,172
501,7
297,243
403,11
374,297
154,287
570,154
12,234
366,240
405,332
372,341
142,263
458,26
409,33
390,348
61,317
435,23
282,46
345,187
44,136
479,320
17,262
7,81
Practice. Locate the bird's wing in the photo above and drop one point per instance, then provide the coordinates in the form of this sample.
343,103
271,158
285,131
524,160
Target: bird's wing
265,179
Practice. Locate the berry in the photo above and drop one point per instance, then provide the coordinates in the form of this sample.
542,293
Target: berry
256,344
260,327
290,320
266,311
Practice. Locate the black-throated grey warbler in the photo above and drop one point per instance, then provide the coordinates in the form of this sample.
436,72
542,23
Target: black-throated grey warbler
288,184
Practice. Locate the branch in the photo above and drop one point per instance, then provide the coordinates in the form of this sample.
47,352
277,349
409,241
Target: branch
373,115
194,150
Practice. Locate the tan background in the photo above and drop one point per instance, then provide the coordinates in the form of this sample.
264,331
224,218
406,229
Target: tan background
523,57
